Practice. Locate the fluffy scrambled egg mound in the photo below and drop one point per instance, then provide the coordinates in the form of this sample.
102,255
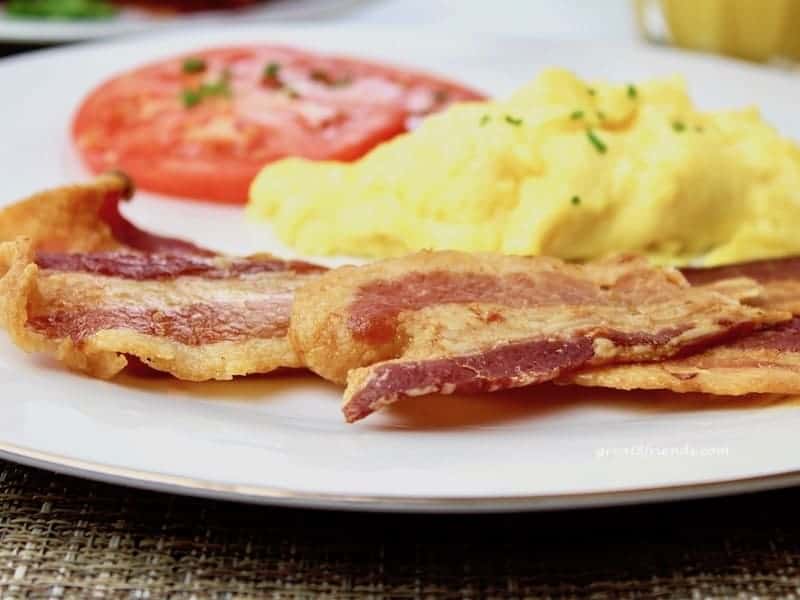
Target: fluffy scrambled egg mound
565,168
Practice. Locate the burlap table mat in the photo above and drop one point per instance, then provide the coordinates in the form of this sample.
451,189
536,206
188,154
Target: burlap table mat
62,537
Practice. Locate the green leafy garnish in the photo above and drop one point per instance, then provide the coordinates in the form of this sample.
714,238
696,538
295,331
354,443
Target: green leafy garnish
679,126
61,9
576,200
221,87
485,119
515,121
632,91
193,96
591,91
575,115
272,70
596,141
193,64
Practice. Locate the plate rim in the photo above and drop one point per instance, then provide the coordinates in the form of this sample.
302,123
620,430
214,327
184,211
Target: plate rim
279,497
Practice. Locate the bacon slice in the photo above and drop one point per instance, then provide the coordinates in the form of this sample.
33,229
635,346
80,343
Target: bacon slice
765,362
442,322
780,278
85,218
205,319
93,290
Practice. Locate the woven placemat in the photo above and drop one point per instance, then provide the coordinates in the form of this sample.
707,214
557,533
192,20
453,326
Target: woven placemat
61,537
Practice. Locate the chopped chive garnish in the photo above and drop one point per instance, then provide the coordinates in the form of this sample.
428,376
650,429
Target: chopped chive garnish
591,91
632,91
576,200
516,121
218,88
596,141
271,70
193,96
194,64
190,97
485,119
679,126
575,115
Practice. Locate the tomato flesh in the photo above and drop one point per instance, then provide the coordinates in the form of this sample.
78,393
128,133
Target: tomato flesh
205,132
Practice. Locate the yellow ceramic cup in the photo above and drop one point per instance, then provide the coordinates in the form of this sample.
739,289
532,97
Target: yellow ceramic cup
757,30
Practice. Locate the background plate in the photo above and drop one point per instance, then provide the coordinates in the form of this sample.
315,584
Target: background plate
281,438
131,20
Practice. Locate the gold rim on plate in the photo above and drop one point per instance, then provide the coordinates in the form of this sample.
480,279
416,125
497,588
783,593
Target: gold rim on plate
378,503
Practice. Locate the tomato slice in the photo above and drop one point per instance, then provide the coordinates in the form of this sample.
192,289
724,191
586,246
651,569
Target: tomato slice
202,125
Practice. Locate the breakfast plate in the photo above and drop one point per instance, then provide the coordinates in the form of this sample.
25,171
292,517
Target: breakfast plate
279,438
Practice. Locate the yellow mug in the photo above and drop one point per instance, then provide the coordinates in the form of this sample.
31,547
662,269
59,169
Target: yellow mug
757,30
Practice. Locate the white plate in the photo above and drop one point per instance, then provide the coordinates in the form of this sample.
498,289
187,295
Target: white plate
281,439
132,20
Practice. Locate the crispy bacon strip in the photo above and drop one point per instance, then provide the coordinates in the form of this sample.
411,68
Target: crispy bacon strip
780,278
443,322
93,290
766,362
85,218
210,318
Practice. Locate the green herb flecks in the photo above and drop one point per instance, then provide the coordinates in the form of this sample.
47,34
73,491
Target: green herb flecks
194,64
220,88
591,91
632,91
576,114
598,144
679,126
485,120
512,120
271,71
576,200
191,97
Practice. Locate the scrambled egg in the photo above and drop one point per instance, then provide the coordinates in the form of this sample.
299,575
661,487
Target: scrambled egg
564,167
